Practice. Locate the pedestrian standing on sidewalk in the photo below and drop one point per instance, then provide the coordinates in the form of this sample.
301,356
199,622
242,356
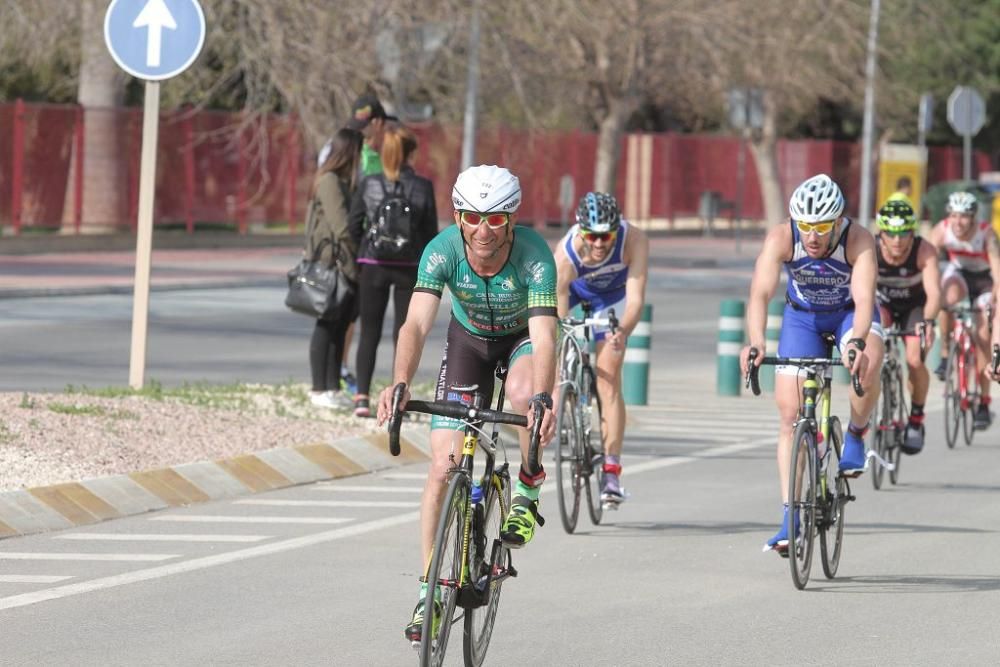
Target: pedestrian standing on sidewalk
392,218
327,230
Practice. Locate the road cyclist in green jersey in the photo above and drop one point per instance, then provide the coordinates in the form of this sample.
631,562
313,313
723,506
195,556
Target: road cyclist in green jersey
502,280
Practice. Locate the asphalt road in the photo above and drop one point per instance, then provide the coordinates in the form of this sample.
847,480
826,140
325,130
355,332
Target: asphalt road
326,574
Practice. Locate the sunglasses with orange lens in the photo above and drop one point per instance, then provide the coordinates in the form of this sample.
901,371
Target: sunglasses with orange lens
492,220
596,236
821,228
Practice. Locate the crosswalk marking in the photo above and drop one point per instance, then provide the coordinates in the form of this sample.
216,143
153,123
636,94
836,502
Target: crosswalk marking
32,578
324,503
218,518
41,555
161,537
366,489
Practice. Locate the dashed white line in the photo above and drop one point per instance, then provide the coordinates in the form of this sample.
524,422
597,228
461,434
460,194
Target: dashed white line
324,503
41,555
219,518
32,578
366,489
161,537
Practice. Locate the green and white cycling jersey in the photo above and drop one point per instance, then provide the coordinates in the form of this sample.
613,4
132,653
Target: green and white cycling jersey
497,305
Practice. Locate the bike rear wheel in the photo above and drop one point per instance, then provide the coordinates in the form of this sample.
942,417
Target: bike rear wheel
901,417
479,620
834,496
952,399
972,393
802,503
569,456
883,432
445,571
593,446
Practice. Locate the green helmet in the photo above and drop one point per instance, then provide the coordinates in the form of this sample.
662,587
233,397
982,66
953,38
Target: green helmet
896,216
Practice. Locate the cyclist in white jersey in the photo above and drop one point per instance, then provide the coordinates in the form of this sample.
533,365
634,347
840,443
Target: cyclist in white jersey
973,260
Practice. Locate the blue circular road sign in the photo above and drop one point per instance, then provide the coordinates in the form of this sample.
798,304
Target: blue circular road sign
154,39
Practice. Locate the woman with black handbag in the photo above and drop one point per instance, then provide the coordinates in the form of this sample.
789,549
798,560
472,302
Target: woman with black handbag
327,234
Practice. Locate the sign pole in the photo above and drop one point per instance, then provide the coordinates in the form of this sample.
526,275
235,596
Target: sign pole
144,234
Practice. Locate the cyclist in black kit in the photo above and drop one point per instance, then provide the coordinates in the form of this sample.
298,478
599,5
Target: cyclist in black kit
909,295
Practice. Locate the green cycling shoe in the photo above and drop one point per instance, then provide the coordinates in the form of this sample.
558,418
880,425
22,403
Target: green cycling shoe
414,631
519,527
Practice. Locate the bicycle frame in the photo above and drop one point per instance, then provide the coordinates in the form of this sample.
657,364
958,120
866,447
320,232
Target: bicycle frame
962,335
811,390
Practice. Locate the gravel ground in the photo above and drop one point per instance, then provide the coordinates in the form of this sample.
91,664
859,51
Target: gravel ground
52,438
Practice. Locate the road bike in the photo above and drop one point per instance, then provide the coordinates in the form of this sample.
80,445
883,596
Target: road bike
891,415
579,450
961,392
469,561
817,492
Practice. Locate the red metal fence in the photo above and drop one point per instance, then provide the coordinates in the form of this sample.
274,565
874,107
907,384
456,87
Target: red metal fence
213,169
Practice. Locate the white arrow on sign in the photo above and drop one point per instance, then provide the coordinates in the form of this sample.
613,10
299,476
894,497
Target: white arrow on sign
155,16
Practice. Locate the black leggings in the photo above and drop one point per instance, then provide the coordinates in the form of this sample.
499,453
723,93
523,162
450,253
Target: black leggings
325,352
376,280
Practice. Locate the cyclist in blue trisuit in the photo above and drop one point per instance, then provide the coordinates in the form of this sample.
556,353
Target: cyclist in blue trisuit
502,280
602,260
831,269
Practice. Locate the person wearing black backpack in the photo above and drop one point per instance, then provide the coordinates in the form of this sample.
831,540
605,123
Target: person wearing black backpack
392,218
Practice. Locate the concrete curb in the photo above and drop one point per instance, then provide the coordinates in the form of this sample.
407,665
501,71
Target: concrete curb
45,508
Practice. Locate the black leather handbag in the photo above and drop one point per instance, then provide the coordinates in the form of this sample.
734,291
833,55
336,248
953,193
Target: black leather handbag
315,288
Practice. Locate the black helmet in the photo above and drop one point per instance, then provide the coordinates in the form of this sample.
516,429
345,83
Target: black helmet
598,212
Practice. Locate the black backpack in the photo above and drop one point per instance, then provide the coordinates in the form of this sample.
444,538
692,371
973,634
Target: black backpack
390,236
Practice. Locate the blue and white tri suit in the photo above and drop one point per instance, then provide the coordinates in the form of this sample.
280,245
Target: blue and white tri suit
602,285
818,301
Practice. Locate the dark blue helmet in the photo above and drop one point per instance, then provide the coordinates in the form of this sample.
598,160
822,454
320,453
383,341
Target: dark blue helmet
598,212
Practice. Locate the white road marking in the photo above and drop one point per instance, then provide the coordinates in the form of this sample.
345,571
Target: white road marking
161,537
40,555
194,564
403,475
324,503
31,578
366,489
218,518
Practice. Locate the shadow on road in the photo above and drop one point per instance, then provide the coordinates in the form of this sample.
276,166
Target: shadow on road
615,529
913,583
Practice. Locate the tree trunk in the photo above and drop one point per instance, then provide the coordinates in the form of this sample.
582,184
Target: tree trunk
609,146
764,149
100,93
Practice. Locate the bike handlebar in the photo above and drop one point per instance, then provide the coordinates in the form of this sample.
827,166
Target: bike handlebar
753,370
610,321
456,410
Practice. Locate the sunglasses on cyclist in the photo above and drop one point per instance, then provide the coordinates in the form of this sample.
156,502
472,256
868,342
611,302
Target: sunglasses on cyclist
593,237
821,228
493,220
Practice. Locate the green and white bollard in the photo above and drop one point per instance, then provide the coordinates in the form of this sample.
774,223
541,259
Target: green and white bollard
727,370
635,373
775,312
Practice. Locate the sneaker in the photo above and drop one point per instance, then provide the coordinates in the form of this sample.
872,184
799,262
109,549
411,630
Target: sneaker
348,382
414,631
611,490
331,399
941,369
983,417
852,462
519,527
913,442
779,541
361,407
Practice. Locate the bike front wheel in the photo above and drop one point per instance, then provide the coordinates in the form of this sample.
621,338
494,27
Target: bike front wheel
952,399
972,394
833,499
883,430
490,558
445,572
902,418
802,483
569,459
593,447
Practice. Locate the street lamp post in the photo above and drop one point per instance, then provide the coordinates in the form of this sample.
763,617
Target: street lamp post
471,91
866,143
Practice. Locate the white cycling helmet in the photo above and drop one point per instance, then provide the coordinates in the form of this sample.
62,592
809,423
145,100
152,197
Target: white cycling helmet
486,188
962,202
818,199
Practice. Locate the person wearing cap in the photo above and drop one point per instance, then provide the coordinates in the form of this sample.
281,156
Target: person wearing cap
603,260
502,280
909,295
369,118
